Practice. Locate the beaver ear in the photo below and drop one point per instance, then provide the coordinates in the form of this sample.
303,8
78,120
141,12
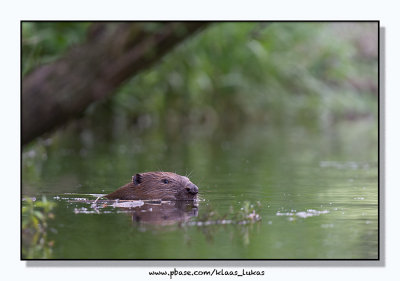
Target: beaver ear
136,179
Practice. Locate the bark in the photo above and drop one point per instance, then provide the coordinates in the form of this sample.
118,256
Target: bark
55,93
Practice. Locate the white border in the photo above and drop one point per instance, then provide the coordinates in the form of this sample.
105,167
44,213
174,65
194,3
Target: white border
385,11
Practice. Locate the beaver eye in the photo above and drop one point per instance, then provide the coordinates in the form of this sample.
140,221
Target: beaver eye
165,181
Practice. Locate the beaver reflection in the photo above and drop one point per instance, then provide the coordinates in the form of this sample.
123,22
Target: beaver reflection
164,213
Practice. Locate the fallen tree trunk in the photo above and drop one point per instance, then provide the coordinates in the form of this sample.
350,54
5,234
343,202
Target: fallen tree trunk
54,93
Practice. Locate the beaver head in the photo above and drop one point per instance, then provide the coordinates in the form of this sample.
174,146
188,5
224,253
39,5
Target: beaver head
156,185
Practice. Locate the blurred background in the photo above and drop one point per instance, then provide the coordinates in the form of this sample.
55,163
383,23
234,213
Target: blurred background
280,74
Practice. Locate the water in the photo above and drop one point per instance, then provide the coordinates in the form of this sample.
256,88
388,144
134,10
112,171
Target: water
316,191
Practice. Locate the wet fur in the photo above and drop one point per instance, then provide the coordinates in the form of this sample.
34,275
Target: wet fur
151,185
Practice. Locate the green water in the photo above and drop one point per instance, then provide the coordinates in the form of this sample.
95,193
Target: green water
315,189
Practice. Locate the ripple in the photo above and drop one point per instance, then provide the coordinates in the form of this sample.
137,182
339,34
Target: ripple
306,214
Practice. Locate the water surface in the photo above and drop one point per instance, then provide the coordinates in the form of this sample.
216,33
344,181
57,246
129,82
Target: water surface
315,190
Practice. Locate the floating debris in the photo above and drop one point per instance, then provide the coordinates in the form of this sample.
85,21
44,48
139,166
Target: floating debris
284,214
306,214
128,204
84,210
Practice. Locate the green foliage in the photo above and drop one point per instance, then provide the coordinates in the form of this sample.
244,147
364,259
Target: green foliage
43,42
278,73
35,216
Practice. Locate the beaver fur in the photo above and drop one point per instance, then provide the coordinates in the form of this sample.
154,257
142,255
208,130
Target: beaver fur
156,185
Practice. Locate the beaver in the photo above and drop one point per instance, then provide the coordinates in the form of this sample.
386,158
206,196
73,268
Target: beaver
156,185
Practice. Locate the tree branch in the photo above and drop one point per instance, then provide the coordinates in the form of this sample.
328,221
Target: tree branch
54,93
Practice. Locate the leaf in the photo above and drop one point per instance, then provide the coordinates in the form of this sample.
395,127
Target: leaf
39,215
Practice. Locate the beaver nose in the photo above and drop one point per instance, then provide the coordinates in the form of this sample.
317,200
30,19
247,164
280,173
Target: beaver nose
193,189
